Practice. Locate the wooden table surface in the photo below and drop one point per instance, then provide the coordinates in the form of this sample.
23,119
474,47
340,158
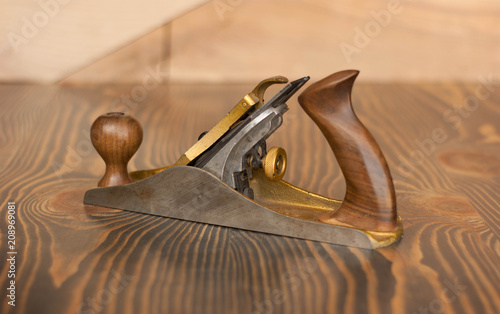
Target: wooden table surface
441,141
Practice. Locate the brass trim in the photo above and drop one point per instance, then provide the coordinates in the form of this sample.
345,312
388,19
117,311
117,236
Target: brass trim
287,199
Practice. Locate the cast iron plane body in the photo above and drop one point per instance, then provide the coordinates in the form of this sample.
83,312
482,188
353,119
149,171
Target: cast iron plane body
230,178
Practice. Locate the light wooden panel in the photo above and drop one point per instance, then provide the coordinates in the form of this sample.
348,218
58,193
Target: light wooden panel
130,64
227,41
47,40
420,40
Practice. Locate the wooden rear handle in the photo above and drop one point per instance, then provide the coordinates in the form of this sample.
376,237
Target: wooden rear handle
370,201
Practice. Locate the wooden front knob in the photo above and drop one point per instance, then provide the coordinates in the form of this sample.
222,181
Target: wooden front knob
116,137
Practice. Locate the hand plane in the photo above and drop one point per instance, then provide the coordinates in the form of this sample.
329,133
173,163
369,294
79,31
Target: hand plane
230,178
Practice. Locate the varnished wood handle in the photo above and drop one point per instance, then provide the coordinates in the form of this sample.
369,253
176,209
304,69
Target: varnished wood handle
370,201
116,137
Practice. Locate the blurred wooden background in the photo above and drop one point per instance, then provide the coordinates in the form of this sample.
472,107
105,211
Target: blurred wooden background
245,41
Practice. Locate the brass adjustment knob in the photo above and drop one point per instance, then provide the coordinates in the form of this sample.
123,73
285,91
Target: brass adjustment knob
274,163
116,137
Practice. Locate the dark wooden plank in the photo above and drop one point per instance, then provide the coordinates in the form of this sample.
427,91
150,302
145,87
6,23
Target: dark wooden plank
73,257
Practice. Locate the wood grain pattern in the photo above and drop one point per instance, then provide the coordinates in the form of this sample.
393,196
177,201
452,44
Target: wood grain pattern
72,257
